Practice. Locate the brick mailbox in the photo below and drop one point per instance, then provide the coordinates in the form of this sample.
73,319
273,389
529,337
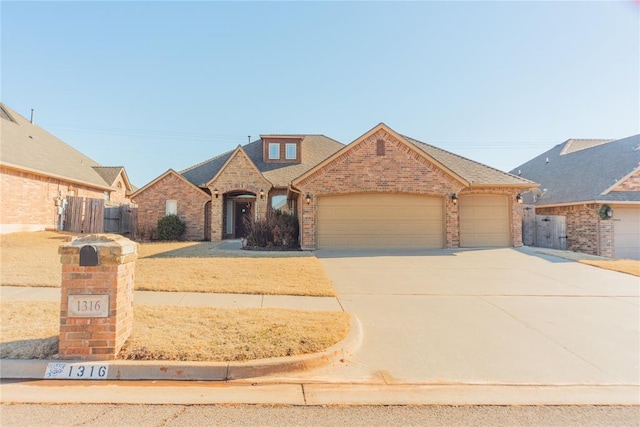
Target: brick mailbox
96,306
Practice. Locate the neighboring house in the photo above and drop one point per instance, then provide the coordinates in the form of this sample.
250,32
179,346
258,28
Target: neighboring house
38,172
383,190
595,184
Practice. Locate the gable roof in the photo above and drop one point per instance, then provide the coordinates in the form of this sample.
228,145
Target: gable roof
466,171
584,175
28,147
161,177
313,150
235,154
111,173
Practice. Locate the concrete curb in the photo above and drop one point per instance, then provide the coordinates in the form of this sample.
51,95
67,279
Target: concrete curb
196,371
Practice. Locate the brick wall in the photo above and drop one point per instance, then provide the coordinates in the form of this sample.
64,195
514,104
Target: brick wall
586,232
99,337
361,169
118,195
191,205
28,200
239,175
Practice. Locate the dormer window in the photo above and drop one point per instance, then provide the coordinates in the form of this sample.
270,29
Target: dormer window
274,151
281,148
291,151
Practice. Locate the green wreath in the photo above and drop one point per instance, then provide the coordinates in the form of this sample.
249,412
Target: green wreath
606,212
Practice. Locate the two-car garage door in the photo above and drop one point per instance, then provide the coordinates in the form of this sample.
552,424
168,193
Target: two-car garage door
391,220
380,220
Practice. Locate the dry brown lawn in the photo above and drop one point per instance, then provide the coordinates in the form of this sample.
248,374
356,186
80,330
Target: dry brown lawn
31,259
182,333
29,330
628,266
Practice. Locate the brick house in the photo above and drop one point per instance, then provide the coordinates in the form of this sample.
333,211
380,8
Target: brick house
595,184
383,190
38,171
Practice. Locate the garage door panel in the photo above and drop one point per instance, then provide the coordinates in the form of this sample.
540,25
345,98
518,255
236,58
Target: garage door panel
484,221
626,231
380,220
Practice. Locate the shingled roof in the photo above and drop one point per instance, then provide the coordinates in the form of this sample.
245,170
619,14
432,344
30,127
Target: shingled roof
26,146
568,176
313,149
473,172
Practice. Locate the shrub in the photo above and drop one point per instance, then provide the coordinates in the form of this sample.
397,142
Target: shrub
171,227
279,230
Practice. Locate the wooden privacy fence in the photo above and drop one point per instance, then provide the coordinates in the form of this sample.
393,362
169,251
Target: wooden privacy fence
86,215
544,231
121,219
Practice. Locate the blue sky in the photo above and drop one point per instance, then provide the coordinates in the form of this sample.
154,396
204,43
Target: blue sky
159,85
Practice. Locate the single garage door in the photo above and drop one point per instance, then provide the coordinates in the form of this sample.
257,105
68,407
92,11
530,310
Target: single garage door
380,220
626,228
484,221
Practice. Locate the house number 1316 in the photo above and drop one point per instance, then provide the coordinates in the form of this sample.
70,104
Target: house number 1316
88,306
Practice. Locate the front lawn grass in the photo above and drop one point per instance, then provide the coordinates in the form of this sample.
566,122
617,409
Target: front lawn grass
29,330
628,266
31,259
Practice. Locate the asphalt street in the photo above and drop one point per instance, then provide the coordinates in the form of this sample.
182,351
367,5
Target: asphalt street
314,416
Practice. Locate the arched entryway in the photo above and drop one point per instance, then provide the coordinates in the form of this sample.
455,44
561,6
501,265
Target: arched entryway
238,214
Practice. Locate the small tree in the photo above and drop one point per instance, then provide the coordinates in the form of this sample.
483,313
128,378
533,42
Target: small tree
171,227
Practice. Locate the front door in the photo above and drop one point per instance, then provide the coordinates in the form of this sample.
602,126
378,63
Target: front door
242,219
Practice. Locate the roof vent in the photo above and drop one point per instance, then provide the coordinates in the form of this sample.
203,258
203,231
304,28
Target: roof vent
547,160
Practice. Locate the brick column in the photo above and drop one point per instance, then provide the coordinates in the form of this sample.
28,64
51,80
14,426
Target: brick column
96,307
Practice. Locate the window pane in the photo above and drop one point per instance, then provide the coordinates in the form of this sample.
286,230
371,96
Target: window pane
274,151
171,207
279,202
291,151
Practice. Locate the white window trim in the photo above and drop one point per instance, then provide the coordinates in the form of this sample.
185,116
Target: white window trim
171,207
295,151
273,145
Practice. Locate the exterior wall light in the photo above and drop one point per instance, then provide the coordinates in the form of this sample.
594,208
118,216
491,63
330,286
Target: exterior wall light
261,193
307,198
519,198
215,192
454,198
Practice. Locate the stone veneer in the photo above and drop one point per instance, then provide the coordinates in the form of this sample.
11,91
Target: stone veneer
630,184
239,175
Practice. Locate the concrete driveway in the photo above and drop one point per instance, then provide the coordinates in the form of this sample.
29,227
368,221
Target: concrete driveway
496,316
